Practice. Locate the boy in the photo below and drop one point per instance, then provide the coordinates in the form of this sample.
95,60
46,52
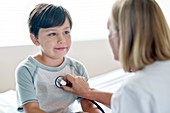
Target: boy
50,28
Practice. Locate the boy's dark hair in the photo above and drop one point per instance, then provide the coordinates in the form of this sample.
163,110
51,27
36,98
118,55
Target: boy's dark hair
47,15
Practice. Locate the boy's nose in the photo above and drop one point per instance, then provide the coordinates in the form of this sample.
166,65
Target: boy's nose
61,39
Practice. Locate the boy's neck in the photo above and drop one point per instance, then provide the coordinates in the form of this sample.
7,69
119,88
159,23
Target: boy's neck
49,61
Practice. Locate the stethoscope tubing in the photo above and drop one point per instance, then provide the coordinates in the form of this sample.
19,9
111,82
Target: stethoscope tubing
97,105
58,79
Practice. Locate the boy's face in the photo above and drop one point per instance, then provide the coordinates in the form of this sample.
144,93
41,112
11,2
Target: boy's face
55,41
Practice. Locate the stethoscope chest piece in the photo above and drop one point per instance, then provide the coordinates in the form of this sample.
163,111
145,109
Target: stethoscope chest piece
59,81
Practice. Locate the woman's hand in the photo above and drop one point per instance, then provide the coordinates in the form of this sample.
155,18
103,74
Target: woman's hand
79,87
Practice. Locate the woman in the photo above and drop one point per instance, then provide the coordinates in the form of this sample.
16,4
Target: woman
140,39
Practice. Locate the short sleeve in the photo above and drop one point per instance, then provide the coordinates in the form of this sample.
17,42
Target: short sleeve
24,87
77,67
84,72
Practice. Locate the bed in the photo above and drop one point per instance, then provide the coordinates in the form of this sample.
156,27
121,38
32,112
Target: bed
8,103
110,82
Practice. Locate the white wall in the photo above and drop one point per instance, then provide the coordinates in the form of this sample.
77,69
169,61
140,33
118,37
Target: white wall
96,56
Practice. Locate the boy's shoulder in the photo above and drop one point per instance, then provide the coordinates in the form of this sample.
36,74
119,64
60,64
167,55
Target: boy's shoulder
78,66
26,63
73,61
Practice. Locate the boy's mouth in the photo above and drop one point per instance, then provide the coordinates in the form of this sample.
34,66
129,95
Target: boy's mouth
61,48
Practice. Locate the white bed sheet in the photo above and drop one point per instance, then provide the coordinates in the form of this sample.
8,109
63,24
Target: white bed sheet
8,102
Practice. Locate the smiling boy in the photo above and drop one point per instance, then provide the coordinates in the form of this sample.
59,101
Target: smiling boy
50,29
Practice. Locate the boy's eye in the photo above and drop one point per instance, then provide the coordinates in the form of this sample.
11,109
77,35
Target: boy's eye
66,32
52,34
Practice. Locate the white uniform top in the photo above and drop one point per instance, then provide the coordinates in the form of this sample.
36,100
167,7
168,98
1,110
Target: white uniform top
148,91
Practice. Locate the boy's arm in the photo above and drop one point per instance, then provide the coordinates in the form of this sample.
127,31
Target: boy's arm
89,107
33,107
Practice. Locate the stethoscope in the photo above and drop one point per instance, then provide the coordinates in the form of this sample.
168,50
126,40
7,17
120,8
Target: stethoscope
59,81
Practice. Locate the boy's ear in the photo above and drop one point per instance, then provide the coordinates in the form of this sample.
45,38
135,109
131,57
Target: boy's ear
34,39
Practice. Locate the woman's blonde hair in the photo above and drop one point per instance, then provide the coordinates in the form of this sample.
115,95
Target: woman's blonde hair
115,15
144,33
